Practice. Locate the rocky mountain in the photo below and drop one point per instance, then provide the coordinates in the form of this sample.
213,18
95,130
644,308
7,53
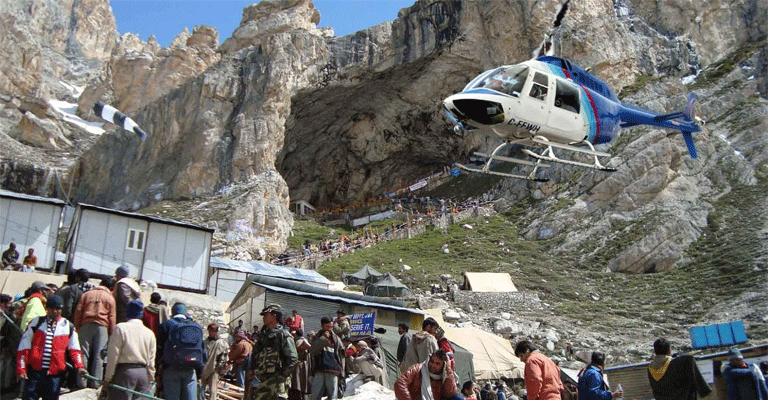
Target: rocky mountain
284,111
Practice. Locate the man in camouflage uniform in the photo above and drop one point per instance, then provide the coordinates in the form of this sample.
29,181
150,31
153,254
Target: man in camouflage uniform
273,359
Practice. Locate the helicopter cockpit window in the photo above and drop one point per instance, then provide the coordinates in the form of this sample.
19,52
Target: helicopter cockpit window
567,97
539,86
508,80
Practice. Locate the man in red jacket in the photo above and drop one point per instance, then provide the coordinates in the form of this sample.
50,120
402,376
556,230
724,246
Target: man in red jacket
294,322
41,356
442,384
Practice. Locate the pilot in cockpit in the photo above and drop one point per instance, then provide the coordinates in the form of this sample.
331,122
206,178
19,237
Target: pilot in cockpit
499,82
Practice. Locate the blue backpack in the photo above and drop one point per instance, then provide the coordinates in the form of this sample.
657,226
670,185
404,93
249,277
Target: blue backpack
184,344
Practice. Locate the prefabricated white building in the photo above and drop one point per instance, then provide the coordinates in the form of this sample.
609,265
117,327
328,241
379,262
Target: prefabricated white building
30,222
173,254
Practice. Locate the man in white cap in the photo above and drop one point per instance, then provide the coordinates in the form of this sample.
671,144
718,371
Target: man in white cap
744,380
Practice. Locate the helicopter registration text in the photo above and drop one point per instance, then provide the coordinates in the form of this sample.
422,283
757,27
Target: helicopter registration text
524,124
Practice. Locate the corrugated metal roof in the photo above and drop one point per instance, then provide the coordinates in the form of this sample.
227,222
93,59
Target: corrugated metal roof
333,298
29,197
303,289
267,269
145,217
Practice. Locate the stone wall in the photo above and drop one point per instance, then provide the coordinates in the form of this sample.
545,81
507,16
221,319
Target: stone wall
509,301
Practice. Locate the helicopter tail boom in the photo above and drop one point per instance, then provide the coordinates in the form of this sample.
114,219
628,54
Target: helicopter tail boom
681,121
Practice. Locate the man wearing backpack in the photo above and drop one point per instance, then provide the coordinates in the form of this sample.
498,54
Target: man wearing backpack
274,356
180,341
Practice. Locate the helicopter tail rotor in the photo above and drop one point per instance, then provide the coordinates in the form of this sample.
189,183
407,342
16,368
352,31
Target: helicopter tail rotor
689,114
688,138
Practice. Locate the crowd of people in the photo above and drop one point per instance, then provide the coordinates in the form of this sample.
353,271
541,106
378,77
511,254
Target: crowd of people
58,339
280,361
366,237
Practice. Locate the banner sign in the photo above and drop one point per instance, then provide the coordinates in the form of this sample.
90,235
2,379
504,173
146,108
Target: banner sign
362,324
382,215
418,185
361,221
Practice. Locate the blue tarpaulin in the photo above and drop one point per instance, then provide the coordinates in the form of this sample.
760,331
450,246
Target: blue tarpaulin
718,335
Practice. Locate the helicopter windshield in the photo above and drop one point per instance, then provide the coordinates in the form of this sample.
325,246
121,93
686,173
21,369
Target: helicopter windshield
508,80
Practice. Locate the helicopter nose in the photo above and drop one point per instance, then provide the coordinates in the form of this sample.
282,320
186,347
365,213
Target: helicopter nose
483,112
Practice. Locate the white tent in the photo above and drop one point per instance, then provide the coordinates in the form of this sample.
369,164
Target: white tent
488,282
492,355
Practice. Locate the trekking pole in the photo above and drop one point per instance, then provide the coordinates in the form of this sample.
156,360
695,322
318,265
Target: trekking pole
118,387
12,323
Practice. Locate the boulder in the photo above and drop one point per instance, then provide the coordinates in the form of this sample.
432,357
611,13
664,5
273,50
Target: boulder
451,316
40,132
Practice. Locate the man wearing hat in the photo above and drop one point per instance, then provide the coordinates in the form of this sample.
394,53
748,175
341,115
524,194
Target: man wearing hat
41,357
217,349
744,380
182,362
675,378
273,359
35,305
130,355
126,290
238,356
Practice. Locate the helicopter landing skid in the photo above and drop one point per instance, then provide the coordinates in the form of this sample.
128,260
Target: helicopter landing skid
498,173
486,168
549,154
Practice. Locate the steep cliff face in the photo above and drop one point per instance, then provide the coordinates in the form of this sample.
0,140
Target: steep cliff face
219,129
49,49
43,42
139,73
639,219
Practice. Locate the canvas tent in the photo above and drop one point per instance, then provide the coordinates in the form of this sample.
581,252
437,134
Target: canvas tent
492,355
388,286
390,339
366,275
488,282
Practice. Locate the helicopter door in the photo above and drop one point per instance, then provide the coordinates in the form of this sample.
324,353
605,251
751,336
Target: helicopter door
535,101
564,118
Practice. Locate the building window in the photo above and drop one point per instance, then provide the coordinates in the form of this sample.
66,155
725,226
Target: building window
135,239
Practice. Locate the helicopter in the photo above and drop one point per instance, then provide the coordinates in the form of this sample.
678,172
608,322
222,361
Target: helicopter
551,103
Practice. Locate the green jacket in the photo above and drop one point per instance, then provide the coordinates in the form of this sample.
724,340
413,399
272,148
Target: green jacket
274,353
35,308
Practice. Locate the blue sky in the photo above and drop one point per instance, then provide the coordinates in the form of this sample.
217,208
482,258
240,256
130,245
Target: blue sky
167,18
